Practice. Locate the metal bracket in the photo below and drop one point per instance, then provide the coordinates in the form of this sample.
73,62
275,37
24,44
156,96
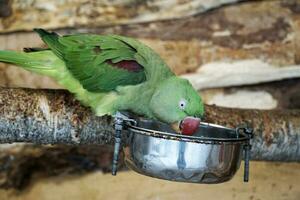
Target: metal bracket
119,126
247,147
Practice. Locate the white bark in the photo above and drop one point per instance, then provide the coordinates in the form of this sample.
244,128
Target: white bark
244,72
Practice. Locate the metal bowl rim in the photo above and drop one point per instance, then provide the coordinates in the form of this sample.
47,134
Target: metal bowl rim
166,135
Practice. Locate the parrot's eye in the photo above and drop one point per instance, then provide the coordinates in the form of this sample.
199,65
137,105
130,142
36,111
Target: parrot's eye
182,104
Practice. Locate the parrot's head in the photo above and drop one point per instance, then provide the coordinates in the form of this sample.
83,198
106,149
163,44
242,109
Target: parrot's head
175,101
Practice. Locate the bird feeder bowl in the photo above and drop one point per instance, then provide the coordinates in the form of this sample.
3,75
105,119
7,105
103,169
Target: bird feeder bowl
212,155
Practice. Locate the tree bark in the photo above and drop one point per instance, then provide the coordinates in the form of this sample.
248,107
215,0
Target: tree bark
239,32
54,117
26,15
49,117
18,163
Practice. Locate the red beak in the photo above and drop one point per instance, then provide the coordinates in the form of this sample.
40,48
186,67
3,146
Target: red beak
189,125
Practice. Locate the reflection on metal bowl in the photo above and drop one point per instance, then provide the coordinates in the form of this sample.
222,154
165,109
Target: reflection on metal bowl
212,155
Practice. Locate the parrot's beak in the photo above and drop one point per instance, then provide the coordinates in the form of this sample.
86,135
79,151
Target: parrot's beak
189,125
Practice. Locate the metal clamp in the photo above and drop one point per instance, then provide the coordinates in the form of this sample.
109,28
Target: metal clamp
247,147
119,126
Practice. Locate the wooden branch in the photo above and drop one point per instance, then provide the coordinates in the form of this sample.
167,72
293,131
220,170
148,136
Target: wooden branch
222,35
276,131
18,163
26,15
245,72
54,117
49,117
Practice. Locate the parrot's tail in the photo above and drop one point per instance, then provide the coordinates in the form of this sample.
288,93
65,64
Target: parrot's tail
47,63
42,62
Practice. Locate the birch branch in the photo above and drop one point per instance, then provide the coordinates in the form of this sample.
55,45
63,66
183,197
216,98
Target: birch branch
55,117
243,72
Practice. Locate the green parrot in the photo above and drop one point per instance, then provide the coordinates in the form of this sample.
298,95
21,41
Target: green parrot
111,73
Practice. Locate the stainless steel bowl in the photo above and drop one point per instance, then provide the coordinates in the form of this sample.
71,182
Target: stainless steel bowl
212,155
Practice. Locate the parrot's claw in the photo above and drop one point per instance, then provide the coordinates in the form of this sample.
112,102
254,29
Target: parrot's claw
124,118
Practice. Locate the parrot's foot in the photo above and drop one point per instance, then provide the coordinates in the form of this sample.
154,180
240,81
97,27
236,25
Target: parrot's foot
106,105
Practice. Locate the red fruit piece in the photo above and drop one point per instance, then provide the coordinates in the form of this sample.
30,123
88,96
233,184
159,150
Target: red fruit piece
189,125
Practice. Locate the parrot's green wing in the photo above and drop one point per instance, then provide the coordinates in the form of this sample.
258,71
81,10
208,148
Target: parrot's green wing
102,63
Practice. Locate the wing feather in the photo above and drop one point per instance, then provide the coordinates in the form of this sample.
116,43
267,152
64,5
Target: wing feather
98,62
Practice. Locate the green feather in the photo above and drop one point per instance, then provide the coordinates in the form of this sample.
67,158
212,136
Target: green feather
86,57
88,66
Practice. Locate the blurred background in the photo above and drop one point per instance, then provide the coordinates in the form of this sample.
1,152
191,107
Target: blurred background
240,54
